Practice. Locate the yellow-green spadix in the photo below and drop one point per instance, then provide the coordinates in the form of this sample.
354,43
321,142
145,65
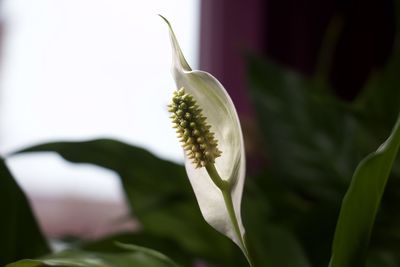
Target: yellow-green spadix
226,147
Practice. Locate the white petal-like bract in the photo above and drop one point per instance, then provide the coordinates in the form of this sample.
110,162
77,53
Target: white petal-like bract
221,115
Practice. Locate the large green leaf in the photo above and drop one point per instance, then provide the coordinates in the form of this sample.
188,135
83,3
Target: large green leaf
158,192
20,236
139,257
361,203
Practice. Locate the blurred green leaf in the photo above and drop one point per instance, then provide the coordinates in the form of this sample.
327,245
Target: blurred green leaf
382,259
158,192
168,246
20,236
313,142
361,203
272,244
140,257
379,103
149,252
311,138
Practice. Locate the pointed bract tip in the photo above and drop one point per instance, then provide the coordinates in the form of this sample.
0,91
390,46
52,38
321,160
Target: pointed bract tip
166,21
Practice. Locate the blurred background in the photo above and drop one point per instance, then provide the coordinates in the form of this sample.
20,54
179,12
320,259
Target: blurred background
75,70
314,83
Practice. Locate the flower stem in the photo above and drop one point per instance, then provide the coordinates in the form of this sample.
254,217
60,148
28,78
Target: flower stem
225,188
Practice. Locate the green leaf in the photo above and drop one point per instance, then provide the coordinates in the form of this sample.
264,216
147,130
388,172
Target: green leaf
310,158
140,257
314,142
361,203
149,252
165,245
158,192
282,249
273,243
20,236
299,123
380,99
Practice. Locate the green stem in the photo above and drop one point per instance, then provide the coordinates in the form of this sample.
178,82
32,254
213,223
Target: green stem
214,175
225,188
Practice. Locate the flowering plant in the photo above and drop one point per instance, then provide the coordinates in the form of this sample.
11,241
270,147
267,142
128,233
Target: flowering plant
315,144
209,129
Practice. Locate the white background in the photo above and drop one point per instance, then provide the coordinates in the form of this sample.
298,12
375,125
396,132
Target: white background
83,69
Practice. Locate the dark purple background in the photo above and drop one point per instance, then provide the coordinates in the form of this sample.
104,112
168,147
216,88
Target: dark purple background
291,32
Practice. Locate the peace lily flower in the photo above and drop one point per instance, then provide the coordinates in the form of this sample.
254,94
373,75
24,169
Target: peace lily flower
209,130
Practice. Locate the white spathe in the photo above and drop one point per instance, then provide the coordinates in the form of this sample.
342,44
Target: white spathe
221,114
